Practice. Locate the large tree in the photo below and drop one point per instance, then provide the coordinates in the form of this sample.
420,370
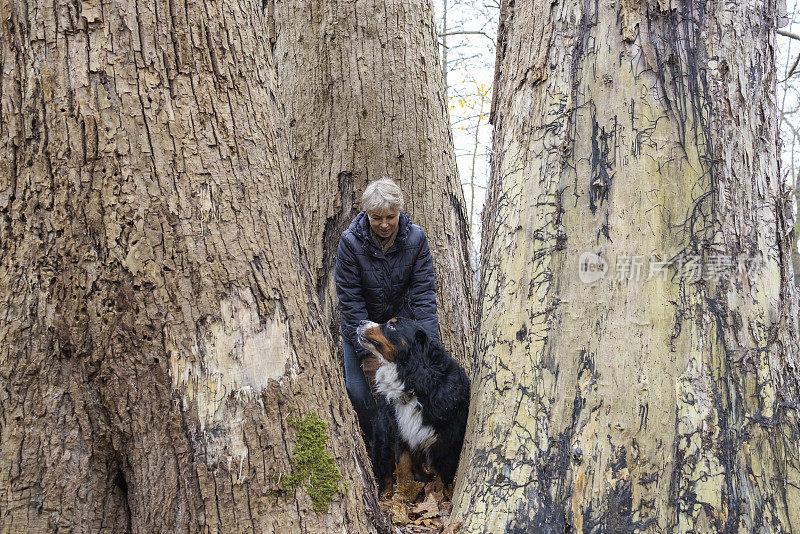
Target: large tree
362,87
639,135
160,334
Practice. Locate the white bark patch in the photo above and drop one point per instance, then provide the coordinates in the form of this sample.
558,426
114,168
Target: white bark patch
236,353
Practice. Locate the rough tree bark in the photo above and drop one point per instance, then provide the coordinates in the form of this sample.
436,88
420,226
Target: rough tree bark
362,85
665,403
158,320
795,249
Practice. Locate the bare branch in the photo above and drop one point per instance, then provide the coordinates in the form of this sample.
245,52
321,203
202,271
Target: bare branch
791,71
468,33
788,34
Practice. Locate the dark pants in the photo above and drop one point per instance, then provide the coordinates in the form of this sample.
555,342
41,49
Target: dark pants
358,391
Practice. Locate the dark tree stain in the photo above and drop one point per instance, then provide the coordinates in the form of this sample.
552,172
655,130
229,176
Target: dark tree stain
644,409
561,235
605,230
602,160
561,240
522,333
618,512
553,511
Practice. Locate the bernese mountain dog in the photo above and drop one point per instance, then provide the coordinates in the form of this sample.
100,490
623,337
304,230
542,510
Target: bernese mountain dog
422,401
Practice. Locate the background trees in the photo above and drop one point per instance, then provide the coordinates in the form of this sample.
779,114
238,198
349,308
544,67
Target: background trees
788,106
467,32
363,94
657,397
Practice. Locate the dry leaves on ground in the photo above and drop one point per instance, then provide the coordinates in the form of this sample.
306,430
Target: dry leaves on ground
428,515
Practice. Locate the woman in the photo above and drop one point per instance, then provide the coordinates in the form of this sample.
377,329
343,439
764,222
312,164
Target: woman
384,269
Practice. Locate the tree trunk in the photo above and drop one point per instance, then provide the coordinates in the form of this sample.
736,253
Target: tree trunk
645,133
159,330
795,250
364,97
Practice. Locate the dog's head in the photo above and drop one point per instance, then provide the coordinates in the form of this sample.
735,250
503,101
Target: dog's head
392,340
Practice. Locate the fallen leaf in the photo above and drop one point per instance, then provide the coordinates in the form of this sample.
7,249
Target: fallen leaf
435,488
409,489
432,523
452,528
429,508
399,510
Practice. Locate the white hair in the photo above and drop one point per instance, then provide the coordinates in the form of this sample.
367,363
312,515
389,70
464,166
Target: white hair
382,196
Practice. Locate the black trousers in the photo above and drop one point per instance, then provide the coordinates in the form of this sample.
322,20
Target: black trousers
358,391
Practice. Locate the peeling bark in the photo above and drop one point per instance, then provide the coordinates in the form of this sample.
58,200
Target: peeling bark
158,319
664,403
362,85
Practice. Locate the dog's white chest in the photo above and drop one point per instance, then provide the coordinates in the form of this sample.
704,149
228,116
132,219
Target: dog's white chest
407,408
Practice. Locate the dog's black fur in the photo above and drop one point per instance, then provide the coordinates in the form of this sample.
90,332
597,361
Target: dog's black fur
429,376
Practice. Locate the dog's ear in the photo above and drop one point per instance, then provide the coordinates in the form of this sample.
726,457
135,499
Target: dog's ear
433,351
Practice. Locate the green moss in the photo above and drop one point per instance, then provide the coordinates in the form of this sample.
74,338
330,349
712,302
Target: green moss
311,465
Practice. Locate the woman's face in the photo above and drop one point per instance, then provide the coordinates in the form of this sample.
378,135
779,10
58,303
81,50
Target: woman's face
383,223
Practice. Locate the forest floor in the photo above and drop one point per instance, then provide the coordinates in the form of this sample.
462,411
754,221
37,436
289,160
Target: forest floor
415,507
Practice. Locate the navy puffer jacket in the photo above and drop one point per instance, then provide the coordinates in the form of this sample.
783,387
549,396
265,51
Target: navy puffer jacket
375,286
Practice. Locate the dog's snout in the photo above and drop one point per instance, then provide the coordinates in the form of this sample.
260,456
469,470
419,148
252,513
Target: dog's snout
363,326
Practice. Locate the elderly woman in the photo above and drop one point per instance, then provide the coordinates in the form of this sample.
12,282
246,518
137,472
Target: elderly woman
384,269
